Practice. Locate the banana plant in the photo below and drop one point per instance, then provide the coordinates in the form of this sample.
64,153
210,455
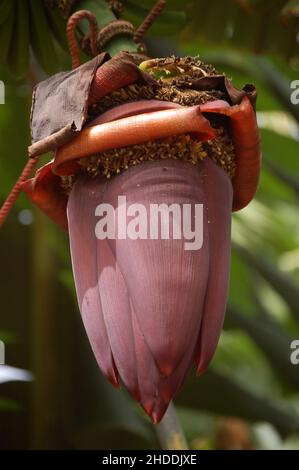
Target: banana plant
57,188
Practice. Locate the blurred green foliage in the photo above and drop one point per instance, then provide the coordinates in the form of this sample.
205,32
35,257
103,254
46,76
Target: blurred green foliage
251,378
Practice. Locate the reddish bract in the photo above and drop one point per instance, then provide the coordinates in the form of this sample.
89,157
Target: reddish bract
151,308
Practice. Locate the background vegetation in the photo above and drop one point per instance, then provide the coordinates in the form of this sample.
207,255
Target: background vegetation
249,398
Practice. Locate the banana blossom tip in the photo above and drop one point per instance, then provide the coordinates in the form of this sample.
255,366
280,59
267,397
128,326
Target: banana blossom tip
150,307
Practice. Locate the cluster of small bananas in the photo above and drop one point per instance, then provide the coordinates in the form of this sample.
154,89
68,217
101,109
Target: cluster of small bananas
41,26
112,162
221,150
25,24
170,69
135,92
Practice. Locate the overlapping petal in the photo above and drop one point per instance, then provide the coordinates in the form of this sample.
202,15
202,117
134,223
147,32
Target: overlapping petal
151,296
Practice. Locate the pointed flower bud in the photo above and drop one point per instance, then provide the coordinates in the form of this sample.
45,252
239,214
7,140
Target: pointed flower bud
146,186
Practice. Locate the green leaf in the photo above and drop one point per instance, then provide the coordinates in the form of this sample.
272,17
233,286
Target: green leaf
168,22
217,393
41,39
9,405
280,281
57,25
257,28
8,336
5,8
279,85
284,176
270,337
18,58
7,31
13,122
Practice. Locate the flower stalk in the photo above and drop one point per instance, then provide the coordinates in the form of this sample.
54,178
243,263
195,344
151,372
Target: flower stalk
169,431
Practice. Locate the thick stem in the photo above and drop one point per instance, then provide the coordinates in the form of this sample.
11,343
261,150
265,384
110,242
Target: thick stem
104,15
169,431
